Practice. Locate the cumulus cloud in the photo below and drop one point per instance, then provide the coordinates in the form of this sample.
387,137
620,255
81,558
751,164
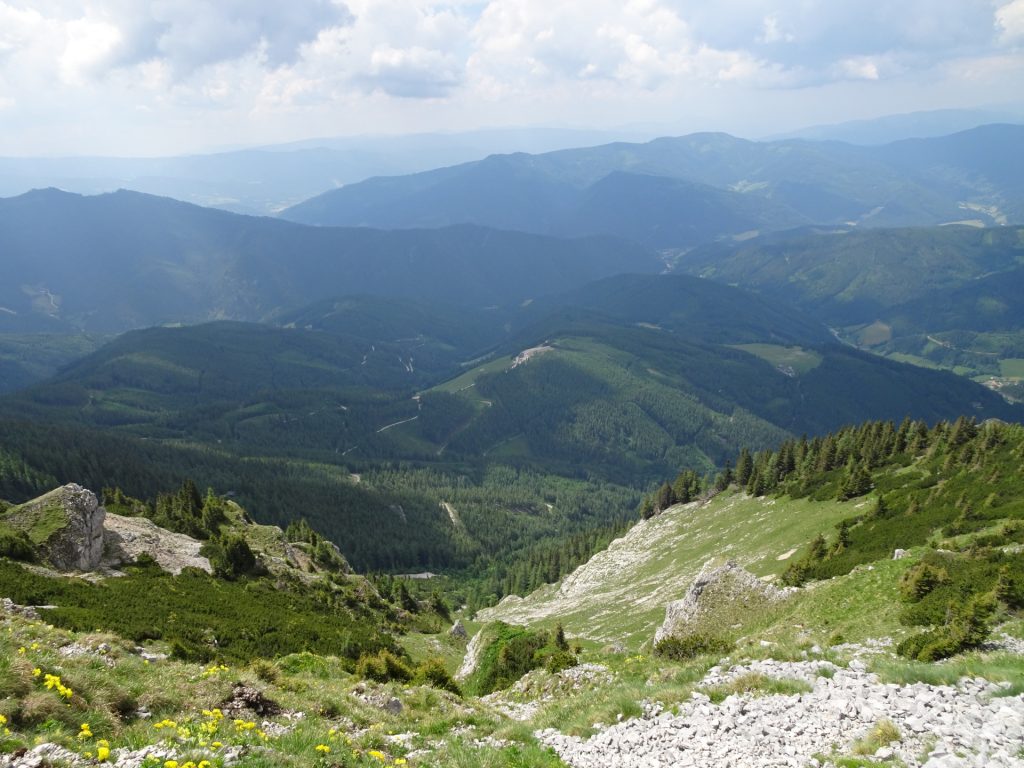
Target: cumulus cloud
94,37
411,72
1010,20
263,60
639,43
402,48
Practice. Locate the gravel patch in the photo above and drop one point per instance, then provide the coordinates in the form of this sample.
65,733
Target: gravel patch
940,726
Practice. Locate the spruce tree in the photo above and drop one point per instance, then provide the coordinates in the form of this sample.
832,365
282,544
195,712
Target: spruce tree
744,466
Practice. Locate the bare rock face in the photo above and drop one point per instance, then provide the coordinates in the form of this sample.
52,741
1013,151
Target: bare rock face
472,658
128,537
458,631
717,592
66,525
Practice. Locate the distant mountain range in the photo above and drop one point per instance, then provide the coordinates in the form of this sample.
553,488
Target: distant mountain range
680,192
125,260
911,125
263,180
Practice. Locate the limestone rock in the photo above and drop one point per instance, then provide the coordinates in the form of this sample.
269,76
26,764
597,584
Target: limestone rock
472,657
458,631
128,537
66,525
715,590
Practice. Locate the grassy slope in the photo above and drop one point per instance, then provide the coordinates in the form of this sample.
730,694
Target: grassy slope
110,682
620,594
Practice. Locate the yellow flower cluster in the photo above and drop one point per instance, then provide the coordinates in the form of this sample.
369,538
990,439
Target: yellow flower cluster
376,754
214,669
102,745
53,682
189,764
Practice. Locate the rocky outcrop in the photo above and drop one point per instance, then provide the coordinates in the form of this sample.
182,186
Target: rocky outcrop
722,590
128,537
65,525
472,658
458,631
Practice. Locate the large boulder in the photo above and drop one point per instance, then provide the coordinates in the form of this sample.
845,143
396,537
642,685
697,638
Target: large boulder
128,537
65,525
720,596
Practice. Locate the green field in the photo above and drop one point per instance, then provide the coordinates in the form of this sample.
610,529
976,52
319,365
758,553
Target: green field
876,333
1012,367
913,360
465,384
799,359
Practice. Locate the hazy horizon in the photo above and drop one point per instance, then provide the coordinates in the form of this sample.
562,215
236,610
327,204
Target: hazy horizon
126,78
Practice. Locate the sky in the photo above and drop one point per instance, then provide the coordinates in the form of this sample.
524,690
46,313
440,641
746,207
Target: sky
157,77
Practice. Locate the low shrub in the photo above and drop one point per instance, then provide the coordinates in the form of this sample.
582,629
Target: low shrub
691,646
433,673
383,667
17,546
968,627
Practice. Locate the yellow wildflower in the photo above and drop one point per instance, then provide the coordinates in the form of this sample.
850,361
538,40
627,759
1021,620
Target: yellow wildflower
37,672
102,753
376,753
170,764
323,748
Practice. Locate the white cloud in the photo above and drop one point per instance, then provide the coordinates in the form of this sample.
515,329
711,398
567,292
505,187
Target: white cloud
17,27
860,68
1010,20
236,66
772,31
521,44
411,72
89,47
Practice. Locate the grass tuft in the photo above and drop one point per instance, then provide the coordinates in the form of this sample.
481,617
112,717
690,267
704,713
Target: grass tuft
756,684
882,735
